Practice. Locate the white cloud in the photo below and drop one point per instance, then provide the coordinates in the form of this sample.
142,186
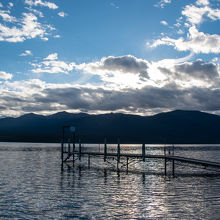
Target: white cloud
52,56
52,65
195,15
57,36
202,2
197,42
180,31
28,28
26,53
41,3
114,5
10,4
164,23
35,11
122,71
5,76
162,3
62,14
7,17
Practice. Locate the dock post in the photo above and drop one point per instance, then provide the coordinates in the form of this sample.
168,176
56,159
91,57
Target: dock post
88,160
143,152
173,167
165,166
127,164
118,153
165,162
79,149
105,150
73,153
62,151
68,147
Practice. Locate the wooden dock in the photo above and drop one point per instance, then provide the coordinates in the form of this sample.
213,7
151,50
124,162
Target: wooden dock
70,153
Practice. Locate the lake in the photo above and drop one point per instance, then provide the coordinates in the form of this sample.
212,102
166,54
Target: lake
33,185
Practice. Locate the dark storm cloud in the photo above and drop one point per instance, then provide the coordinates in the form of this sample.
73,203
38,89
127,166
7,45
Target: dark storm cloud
131,100
198,69
209,100
126,64
99,99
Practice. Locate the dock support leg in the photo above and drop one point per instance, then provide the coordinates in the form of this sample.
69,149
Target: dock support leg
62,152
68,148
73,153
127,164
143,152
88,161
118,154
105,150
165,166
173,167
80,149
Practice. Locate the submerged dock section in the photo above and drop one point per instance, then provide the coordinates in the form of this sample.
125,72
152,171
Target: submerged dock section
72,150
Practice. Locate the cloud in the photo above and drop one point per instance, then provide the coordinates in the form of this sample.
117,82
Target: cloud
52,56
202,2
19,97
62,14
122,64
196,42
1,5
27,28
5,76
114,5
6,16
191,74
162,3
52,65
164,23
26,53
195,15
199,69
41,3
10,4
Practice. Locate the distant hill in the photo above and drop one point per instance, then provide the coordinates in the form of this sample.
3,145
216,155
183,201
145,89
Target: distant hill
170,127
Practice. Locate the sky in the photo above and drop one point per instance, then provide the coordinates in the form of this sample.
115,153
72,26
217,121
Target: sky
99,56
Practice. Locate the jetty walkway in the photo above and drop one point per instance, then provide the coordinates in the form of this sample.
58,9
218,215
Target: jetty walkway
69,152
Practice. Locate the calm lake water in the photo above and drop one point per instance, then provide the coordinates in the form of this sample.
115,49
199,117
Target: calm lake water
33,185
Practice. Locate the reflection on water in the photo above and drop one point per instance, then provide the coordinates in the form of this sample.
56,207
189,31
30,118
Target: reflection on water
33,186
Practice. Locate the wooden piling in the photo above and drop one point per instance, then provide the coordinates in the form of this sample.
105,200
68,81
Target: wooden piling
80,150
62,152
105,150
165,166
173,167
118,152
68,147
143,152
88,161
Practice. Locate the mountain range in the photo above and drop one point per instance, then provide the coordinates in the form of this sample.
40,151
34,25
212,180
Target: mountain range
170,127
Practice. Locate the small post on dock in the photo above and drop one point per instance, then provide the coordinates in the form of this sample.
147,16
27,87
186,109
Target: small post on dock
68,147
173,167
80,150
88,160
62,152
143,152
127,163
105,150
165,162
118,153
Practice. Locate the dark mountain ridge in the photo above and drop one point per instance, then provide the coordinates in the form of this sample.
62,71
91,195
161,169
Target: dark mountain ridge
171,127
